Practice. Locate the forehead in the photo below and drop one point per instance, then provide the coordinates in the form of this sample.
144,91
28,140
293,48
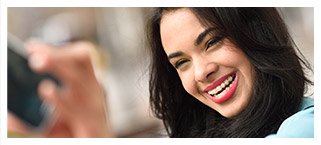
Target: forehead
179,27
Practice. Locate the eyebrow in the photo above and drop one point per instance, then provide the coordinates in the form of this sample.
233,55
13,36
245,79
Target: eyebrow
202,35
175,54
197,41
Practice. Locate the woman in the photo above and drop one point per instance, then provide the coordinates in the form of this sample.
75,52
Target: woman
215,72
233,72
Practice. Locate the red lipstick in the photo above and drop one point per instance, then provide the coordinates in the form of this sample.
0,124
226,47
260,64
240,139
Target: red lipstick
218,82
229,93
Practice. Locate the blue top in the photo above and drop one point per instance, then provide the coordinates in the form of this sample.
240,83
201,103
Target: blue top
300,124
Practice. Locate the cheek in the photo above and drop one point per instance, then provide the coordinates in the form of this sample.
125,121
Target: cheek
250,79
188,83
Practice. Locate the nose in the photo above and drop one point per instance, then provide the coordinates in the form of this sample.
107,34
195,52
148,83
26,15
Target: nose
203,69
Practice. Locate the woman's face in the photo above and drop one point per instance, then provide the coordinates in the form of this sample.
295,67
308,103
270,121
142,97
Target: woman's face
211,68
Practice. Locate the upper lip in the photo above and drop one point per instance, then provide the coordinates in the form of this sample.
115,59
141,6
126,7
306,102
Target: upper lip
218,82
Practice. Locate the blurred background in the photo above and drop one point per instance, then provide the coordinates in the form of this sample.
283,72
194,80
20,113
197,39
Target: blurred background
122,61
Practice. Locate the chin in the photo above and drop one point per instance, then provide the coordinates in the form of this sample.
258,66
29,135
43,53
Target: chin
229,114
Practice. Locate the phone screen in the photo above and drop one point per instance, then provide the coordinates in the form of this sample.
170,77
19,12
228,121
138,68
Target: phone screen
23,98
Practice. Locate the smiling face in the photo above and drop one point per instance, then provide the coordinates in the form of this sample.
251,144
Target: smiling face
210,67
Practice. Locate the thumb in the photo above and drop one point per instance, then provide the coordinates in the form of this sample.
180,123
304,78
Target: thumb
49,93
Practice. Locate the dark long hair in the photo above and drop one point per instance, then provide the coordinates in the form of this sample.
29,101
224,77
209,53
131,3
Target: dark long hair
278,88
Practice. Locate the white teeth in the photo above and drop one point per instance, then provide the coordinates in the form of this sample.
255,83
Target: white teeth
224,92
219,88
229,78
212,92
225,84
219,95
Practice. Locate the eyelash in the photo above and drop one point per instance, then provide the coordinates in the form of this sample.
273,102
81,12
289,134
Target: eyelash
213,41
179,63
210,43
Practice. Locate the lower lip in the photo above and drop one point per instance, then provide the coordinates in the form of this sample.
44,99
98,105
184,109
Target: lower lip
228,94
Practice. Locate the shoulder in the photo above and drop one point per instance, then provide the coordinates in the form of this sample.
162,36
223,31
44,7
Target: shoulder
300,124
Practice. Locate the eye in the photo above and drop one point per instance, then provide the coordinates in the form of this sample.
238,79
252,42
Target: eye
213,41
179,63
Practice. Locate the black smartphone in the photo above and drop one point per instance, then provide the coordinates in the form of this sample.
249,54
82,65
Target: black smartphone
23,98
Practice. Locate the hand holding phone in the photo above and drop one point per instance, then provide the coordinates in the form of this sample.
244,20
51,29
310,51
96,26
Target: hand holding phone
79,100
23,97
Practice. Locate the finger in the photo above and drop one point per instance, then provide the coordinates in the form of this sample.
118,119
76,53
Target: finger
37,52
40,58
67,64
78,57
31,44
50,95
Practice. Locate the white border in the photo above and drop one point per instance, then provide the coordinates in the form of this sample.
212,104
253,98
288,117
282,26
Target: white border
154,3
317,89
3,73
156,141
160,3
